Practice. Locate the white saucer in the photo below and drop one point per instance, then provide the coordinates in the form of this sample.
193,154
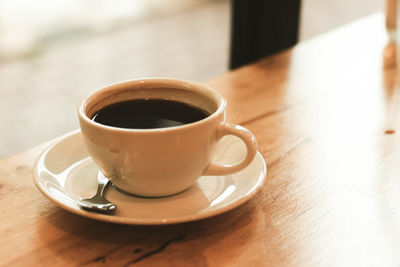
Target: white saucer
65,173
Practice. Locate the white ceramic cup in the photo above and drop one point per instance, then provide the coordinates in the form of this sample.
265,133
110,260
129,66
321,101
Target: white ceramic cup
161,161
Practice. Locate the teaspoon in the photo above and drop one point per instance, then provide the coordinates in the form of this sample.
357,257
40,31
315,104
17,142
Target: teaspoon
98,202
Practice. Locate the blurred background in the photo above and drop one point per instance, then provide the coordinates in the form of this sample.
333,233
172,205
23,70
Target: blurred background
53,53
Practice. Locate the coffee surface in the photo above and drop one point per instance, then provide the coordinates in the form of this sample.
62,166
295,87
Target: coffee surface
148,114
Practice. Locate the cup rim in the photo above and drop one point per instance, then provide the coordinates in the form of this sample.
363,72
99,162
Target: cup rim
220,107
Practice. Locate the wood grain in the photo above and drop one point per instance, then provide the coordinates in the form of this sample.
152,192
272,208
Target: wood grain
326,118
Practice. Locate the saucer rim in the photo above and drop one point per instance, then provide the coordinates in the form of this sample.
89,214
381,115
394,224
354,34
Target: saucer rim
261,177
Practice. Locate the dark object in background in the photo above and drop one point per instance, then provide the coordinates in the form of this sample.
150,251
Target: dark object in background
261,28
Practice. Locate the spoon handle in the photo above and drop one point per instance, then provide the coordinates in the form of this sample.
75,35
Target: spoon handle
101,183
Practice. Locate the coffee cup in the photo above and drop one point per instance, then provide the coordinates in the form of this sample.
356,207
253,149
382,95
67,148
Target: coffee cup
148,156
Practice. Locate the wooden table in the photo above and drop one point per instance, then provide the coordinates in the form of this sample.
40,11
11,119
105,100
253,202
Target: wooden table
326,116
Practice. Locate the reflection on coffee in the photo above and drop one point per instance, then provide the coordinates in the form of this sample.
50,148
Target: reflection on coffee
148,114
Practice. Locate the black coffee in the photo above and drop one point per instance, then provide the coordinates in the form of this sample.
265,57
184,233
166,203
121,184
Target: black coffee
148,114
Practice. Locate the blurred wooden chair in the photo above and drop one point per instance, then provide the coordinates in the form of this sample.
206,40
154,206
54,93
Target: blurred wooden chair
261,28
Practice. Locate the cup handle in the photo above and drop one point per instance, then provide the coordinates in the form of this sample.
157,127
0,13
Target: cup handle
251,145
